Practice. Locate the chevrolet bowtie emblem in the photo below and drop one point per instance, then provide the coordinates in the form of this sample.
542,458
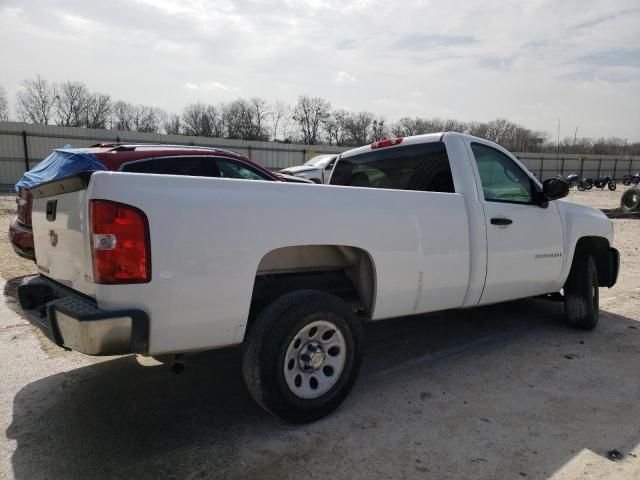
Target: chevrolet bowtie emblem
53,238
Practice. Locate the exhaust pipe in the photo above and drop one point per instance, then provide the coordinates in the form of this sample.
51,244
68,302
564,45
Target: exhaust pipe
178,363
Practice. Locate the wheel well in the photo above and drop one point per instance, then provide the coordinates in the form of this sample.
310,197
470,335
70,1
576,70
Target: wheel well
599,248
345,271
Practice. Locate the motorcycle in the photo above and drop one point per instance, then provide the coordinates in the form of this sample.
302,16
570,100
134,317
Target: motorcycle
629,179
605,182
585,184
573,180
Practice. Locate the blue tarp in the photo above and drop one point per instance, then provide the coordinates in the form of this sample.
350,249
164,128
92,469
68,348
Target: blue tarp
62,162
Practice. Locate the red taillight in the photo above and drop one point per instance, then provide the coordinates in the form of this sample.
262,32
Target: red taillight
23,201
386,143
119,243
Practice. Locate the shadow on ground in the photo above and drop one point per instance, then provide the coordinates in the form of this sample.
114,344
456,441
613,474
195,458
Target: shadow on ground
461,394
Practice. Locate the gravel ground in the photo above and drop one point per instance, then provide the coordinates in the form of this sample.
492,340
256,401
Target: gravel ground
497,392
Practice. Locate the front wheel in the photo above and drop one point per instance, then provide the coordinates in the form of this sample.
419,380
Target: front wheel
582,187
302,355
581,295
612,185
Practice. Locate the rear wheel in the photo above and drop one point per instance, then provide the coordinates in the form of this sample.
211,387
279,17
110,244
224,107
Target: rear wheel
302,355
581,295
612,185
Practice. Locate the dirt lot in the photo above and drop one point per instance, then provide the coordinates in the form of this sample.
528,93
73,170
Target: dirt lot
497,392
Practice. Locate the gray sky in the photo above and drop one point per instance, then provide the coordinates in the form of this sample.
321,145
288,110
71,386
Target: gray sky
531,61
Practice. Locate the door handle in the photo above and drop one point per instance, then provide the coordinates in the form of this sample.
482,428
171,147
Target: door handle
501,221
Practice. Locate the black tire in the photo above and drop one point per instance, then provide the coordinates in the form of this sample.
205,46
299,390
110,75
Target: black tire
581,296
612,185
588,185
630,200
626,181
270,339
581,186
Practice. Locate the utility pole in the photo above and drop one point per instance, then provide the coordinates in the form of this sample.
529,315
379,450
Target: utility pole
575,135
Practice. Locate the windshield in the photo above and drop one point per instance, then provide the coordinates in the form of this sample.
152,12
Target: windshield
318,160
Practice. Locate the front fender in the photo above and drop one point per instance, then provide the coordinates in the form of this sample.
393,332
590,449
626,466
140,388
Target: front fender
580,221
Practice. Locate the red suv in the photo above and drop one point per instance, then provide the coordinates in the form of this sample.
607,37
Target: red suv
167,159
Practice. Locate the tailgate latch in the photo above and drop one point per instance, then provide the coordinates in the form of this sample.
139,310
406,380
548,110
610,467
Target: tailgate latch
51,210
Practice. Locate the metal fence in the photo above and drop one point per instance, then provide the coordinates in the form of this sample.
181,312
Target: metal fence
23,145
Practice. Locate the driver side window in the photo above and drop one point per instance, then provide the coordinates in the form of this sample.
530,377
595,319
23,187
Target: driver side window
502,180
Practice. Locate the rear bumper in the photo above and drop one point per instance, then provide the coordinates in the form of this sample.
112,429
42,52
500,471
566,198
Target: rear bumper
21,238
74,321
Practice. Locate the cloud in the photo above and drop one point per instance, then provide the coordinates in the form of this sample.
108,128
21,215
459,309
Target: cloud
605,18
500,63
420,41
344,77
628,57
209,85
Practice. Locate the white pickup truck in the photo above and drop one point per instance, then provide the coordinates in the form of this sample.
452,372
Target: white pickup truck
157,264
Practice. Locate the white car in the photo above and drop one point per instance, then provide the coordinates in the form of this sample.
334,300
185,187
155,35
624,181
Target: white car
318,169
160,264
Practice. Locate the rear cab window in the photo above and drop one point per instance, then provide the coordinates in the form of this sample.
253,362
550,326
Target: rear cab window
421,167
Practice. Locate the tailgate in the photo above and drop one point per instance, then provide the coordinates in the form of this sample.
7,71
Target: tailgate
60,225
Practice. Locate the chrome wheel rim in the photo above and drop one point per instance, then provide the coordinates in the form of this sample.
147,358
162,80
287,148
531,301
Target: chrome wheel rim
315,359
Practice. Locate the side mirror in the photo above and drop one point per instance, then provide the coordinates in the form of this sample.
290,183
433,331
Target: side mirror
555,188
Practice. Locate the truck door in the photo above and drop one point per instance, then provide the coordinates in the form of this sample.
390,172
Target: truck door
524,240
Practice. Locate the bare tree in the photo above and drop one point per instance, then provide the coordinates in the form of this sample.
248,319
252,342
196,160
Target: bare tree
4,105
246,119
216,119
358,127
71,102
122,115
260,111
406,126
147,119
98,111
335,126
35,101
237,117
310,113
280,114
379,130
193,121
172,124
477,129
203,120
